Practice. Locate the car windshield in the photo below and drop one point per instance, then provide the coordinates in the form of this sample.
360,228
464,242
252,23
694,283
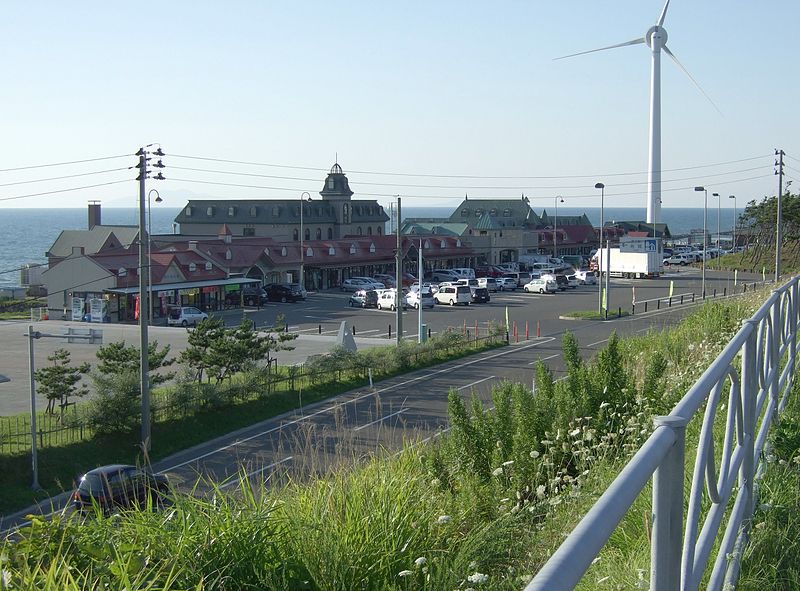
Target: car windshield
175,313
94,483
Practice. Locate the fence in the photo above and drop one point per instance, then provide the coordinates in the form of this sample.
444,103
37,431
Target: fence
681,552
689,298
183,400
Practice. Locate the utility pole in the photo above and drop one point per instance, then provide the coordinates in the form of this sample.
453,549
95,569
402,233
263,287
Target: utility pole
144,303
420,336
778,220
399,281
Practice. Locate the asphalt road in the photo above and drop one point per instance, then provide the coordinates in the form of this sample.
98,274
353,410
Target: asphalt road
412,407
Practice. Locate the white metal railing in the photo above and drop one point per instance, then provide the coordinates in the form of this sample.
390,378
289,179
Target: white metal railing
681,551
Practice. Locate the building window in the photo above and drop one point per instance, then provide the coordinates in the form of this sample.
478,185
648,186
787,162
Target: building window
506,213
360,231
369,230
330,182
208,265
307,234
332,251
493,211
372,247
210,211
248,231
319,233
380,230
231,212
295,234
478,213
188,211
464,213
253,211
346,213
330,233
192,267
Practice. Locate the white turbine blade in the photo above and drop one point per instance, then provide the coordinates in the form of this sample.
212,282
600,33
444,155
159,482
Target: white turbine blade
632,42
660,22
685,71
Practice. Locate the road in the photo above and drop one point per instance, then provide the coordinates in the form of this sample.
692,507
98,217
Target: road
412,407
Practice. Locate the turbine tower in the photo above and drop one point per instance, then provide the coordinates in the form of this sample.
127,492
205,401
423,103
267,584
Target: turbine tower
656,40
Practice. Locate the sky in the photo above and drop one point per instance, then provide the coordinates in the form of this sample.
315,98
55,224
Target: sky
427,100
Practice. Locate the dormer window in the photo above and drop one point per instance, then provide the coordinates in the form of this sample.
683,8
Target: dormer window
443,244
458,243
283,251
209,211
506,213
352,249
188,211
427,244
464,213
331,251
209,266
493,211
372,247
309,252
253,211
231,212
192,267
228,255
122,272
330,182
275,211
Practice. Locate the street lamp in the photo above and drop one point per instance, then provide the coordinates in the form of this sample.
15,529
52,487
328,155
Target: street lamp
149,255
719,201
733,244
602,188
303,195
555,228
705,222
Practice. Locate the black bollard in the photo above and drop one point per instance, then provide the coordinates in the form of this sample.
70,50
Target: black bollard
354,330
429,333
390,331
319,329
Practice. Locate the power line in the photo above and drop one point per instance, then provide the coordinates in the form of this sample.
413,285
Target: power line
65,163
592,195
456,176
460,187
58,178
63,190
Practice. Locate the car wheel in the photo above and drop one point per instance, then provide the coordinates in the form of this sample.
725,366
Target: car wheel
184,324
541,290
392,308
283,299
452,302
416,306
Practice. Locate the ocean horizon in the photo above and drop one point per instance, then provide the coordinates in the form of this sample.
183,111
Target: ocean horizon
26,234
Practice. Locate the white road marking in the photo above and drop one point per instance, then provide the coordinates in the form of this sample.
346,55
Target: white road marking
476,382
597,343
402,410
543,359
360,332
254,472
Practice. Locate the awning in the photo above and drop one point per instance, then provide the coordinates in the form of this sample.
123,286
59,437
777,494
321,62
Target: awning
185,285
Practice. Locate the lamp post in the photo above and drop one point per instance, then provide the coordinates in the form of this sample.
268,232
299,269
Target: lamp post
602,188
303,195
555,228
705,223
719,201
158,199
733,244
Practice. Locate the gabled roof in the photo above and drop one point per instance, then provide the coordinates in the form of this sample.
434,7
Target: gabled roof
274,211
564,220
505,211
642,226
94,240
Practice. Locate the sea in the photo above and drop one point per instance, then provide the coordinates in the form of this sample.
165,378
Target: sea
27,234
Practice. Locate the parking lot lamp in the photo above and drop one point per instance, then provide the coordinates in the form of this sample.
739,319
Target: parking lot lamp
733,243
719,200
303,196
705,223
602,188
555,228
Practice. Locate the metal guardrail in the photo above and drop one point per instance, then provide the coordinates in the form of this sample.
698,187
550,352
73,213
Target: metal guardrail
681,551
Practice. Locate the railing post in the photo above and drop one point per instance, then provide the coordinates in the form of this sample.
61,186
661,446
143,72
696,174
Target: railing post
749,395
667,537
774,358
793,320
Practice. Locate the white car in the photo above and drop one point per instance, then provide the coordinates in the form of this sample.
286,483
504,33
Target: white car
489,283
679,259
506,284
359,283
425,300
432,287
573,281
387,300
454,294
541,285
184,316
586,277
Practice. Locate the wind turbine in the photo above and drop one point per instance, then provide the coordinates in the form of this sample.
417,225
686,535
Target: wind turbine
656,40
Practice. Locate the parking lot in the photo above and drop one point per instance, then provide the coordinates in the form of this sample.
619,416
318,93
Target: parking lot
322,314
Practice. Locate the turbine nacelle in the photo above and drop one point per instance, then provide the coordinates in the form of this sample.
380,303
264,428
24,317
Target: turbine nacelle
656,37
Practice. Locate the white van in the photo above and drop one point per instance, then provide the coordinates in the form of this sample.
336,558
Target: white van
464,272
454,294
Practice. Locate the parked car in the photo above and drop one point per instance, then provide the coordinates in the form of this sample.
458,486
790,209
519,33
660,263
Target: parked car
573,281
489,271
298,287
454,294
506,284
364,298
415,300
387,300
440,275
432,287
358,283
386,279
521,277
118,486
489,283
586,277
279,292
561,281
541,285
248,296
480,295
679,259
184,316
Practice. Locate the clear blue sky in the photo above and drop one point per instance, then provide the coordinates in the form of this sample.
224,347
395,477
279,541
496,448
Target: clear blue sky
436,88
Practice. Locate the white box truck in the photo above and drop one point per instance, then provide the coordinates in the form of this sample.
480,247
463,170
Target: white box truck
634,265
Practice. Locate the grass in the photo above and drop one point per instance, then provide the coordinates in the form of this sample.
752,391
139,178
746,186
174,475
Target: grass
60,465
765,262
420,519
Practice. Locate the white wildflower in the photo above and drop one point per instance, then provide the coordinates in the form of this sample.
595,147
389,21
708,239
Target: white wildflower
405,573
536,454
497,471
421,561
478,578
508,463
540,490
575,433
444,519
603,580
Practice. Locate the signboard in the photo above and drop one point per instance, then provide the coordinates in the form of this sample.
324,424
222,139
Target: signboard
77,309
96,309
639,245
